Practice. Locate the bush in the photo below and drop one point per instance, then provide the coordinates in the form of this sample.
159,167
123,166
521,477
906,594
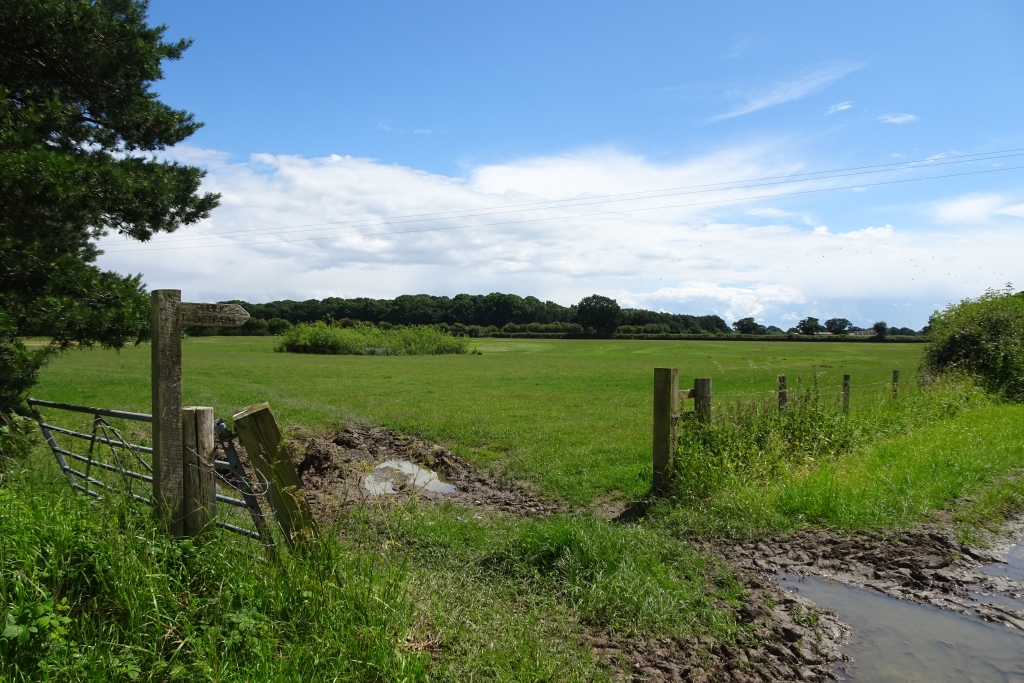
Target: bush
19,368
983,337
417,340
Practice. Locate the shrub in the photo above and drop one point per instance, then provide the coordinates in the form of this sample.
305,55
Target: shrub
319,337
983,337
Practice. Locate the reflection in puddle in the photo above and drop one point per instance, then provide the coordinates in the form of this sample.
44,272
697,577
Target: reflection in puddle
416,477
1013,568
895,640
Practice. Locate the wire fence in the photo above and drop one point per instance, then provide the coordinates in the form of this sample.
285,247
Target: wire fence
99,460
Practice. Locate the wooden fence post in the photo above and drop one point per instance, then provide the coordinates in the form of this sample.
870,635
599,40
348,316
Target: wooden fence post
666,412
258,431
198,482
702,399
895,383
783,393
846,393
165,324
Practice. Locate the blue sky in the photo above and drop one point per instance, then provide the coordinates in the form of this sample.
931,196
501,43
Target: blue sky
318,112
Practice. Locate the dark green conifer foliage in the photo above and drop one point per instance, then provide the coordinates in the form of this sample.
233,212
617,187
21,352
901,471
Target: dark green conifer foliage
79,129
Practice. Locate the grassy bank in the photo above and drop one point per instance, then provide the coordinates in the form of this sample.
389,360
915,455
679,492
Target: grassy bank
572,416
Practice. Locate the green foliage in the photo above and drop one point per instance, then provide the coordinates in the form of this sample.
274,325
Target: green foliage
749,326
319,337
18,436
984,337
881,329
598,313
78,122
19,369
96,592
809,326
838,326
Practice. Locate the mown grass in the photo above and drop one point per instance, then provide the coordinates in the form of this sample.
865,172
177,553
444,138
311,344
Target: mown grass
573,416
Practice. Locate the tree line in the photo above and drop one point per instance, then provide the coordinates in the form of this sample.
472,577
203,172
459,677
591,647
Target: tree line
595,314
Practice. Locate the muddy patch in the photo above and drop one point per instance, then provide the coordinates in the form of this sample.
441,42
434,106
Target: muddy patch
364,465
926,565
784,637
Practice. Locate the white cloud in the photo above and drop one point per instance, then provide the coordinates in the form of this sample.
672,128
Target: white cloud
897,118
1016,210
790,90
292,227
835,108
972,208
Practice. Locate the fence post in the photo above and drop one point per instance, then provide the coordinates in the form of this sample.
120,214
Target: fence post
846,393
895,383
258,431
783,393
702,398
198,482
666,413
165,324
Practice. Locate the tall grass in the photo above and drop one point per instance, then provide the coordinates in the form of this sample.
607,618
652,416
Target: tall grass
756,470
417,340
93,591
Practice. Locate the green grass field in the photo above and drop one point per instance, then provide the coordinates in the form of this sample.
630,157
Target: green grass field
492,597
572,416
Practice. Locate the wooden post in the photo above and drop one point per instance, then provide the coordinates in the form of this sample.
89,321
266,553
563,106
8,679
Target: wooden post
895,383
165,324
846,393
783,393
666,413
702,399
198,482
258,431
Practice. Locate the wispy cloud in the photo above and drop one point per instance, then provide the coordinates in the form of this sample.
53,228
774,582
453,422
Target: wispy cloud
897,118
790,90
842,106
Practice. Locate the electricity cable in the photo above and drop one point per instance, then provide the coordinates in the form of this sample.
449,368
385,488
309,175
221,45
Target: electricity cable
586,215
602,199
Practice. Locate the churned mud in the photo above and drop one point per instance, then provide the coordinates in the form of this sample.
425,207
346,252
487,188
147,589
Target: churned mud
926,565
784,637
363,465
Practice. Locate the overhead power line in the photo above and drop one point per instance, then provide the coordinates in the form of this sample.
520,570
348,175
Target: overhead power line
629,196
584,215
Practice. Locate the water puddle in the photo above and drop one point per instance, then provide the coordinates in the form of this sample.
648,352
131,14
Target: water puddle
1013,568
416,477
897,640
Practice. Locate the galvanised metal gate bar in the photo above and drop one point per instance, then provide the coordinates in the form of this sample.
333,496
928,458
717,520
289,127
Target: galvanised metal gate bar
124,456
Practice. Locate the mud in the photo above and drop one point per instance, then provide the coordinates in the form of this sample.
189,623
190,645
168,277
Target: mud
334,471
784,637
926,565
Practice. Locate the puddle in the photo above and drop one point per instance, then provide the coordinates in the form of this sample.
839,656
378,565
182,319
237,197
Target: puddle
895,640
1013,568
416,477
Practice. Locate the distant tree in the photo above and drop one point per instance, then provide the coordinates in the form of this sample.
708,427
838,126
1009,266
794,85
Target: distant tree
598,313
809,326
79,126
793,330
881,329
902,331
749,326
772,329
838,325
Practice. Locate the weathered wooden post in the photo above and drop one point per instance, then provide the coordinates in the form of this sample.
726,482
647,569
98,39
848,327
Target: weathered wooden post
846,393
895,383
199,486
165,325
666,413
167,316
783,393
258,431
702,399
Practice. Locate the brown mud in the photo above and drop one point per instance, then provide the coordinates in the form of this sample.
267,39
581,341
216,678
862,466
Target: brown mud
334,468
925,565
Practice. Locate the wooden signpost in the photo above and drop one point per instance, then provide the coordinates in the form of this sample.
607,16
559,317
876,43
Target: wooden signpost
167,316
